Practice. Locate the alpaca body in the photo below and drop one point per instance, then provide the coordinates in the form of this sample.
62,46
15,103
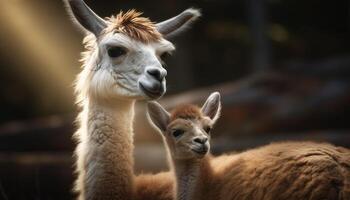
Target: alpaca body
123,63
279,171
286,171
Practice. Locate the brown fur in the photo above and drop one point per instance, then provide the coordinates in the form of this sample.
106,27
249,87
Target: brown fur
291,170
133,25
279,171
185,112
154,186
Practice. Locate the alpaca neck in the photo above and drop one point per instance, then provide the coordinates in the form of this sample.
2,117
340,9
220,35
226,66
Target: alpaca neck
191,177
105,162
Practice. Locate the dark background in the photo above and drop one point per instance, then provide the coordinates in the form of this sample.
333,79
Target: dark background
282,67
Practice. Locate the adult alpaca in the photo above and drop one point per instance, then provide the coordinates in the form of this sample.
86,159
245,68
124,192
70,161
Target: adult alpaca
281,171
123,63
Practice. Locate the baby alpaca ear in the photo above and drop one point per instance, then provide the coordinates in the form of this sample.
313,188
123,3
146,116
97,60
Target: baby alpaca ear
212,107
157,115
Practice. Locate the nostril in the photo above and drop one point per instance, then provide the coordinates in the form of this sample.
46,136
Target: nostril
155,73
205,140
197,140
200,140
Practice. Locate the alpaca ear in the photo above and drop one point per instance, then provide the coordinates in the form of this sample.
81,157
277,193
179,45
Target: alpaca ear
212,107
158,116
178,23
85,17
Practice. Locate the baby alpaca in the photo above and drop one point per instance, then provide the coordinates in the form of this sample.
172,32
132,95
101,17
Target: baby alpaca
290,170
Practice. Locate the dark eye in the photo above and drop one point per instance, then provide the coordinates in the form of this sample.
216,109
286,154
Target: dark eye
165,56
115,52
177,133
207,129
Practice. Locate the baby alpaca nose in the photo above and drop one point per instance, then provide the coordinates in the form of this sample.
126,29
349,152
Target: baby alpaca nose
156,73
200,140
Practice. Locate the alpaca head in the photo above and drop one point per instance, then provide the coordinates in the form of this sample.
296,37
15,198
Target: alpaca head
126,52
186,130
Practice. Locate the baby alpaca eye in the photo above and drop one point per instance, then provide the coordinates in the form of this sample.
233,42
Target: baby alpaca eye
177,133
115,52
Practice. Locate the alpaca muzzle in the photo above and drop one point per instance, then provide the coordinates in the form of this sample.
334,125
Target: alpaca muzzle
152,88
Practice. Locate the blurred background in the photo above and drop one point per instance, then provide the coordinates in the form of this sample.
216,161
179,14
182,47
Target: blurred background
282,67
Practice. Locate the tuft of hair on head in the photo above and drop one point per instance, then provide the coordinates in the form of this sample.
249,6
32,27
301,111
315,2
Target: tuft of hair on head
133,25
186,111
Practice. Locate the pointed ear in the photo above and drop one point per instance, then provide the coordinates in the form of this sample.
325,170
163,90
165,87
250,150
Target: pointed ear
158,116
85,17
212,107
178,23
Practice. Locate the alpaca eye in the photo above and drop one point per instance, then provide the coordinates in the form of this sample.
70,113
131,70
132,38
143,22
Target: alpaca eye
207,129
115,52
165,56
177,133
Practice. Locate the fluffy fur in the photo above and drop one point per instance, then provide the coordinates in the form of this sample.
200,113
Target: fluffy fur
154,186
104,151
288,170
292,170
133,25
185,112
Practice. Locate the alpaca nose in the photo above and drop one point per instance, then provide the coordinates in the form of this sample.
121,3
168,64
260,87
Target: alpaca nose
200,140
156,73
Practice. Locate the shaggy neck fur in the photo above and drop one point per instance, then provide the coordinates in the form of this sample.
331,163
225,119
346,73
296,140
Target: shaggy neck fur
192,176
105,163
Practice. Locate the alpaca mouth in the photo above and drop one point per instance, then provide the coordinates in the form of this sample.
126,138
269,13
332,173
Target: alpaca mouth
152,92
201,151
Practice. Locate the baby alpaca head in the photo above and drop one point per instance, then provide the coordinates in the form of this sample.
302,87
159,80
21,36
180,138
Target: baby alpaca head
186,130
